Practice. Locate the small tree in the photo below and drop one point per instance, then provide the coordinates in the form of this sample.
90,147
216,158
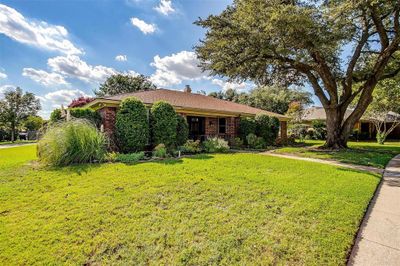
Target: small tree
131,126
247,126
79,102
385,108
33,122
164,124
56,115
182,131
15,107
124,83
267,128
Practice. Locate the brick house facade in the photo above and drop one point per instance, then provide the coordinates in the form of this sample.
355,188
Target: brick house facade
206,116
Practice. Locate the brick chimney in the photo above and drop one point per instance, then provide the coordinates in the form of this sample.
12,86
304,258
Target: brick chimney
187,89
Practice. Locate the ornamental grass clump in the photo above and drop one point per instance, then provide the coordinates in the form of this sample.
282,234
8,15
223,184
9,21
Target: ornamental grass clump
76,141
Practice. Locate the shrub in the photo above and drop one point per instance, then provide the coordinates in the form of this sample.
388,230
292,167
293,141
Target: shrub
131,126
246,126
70,142
267,128
191,146
255,142
33,123
129,158
164,124
160,151
298,131
111,157
55,116
237,142
182,131
216,145
79,102
319,129
86,113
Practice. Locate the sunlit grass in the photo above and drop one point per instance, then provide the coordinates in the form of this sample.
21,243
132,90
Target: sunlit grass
211,209
362,153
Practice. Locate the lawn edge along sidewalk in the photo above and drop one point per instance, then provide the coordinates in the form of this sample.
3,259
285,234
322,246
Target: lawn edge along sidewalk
378,239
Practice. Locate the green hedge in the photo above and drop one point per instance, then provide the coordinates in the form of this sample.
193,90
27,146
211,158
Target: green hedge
182,131
163,124
267,128
131,126
88,114
247,126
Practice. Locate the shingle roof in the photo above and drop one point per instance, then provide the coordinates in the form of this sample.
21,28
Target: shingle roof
193,101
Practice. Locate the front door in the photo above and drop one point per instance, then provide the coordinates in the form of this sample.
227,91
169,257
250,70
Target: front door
196,127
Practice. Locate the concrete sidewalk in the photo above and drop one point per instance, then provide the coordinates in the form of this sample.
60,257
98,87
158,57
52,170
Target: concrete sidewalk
378,241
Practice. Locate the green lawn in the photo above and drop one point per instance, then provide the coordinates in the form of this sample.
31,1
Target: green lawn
363,153
210,209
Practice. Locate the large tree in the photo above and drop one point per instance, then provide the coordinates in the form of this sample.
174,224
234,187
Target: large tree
124,83
15,107
342,48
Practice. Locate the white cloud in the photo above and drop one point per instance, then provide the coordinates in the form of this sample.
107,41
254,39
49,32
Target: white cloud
165,7
5,88
74,67
121,58
173,69
62,97
43,77
37,33
3,75
143,26
230,85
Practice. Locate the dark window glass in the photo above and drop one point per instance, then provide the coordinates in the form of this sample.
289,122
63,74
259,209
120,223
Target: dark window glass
222,125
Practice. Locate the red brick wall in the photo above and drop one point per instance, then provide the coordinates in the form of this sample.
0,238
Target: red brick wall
211,126
108,120
283,129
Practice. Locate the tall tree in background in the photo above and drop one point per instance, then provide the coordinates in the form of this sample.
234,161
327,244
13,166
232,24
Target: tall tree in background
384,111
124,83
303,41
15,107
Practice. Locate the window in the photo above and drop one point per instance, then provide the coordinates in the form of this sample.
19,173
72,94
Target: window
222,125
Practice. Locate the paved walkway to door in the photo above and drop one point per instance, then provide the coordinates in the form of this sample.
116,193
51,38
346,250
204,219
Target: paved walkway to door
378,241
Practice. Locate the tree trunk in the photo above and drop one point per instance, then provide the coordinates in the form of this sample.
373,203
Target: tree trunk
336,138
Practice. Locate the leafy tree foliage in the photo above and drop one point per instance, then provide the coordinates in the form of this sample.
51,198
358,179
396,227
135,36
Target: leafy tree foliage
164,124
131,126
56,115
124,83
267,128
79,102
182,130
274,41
15,107
33,122
385,108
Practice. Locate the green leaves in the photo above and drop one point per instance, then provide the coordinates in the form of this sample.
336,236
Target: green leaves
124,83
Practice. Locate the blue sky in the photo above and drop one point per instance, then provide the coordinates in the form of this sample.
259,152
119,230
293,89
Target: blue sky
64,49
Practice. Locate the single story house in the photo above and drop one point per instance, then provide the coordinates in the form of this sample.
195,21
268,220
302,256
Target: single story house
364,126
206,116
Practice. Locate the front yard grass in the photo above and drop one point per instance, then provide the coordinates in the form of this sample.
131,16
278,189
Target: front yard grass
209,209
363,153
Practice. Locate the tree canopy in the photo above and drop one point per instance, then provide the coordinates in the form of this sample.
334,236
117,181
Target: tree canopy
124,83
17,106
275,41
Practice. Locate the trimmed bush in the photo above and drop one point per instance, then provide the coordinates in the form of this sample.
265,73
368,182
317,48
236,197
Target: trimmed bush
216,145
76,141
267,128
255,142
131,126
237,142
129,158
86,113
182,131
163,124
319,129
247,126
160,151
191,146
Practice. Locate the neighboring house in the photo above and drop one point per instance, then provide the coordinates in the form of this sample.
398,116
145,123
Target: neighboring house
206,116
364,126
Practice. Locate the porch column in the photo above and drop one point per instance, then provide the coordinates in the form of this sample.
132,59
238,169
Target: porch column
108,115
283,127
